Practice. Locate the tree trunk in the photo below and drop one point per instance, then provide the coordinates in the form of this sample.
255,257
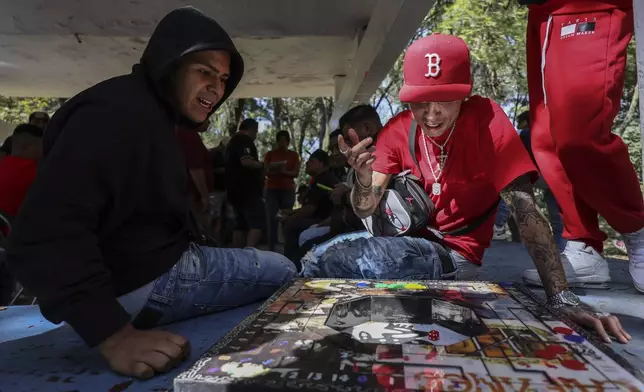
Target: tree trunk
324,119
277,114
300,142
304,124
238,110
385,93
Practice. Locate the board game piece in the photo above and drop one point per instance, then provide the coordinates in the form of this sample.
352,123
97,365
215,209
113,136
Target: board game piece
394,336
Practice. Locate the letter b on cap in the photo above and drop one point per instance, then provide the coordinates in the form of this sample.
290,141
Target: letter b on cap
433,65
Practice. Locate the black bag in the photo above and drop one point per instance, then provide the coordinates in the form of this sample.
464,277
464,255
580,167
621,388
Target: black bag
405,208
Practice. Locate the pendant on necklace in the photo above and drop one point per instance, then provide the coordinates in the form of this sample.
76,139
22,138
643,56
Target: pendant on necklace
436,188
443,158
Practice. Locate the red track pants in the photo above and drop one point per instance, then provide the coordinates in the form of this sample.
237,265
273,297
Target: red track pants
574,98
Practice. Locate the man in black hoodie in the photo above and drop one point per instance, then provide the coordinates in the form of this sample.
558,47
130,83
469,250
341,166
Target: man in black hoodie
103,238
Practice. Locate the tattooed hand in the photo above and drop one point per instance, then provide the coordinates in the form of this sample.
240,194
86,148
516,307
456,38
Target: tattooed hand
360,157
368,191
603,323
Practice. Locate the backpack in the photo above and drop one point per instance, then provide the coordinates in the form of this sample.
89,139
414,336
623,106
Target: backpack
405,208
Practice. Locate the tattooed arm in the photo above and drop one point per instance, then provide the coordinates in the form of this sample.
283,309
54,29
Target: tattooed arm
536,234
366,196
537,237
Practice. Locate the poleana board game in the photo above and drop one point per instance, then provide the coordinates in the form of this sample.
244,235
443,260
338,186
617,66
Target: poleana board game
347,335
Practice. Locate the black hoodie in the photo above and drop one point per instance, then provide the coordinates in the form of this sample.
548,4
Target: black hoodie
107,213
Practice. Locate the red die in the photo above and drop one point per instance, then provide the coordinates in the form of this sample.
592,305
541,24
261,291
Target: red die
434,335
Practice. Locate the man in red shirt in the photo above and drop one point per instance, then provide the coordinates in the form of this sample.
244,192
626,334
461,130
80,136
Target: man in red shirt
469,154
17,173
282,167
576,55
18,170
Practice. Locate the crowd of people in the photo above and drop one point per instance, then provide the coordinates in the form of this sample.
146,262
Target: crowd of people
114,247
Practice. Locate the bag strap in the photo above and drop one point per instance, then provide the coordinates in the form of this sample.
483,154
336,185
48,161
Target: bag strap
475,223
412,143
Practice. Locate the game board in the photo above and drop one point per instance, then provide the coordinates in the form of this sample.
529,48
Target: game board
346,335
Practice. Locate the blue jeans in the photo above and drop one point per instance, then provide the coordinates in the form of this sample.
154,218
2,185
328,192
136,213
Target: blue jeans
555,219
277,199
313,232
502,214
360,256
208,280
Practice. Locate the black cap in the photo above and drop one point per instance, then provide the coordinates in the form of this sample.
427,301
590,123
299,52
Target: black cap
39,115
28,129
321,156
248,124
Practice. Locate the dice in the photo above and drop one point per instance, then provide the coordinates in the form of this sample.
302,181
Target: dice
434,335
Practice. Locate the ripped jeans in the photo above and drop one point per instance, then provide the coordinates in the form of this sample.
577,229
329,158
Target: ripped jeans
208,280
358,255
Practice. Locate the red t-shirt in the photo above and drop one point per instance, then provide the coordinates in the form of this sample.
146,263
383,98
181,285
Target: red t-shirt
485,154
16,176
197,156
279,180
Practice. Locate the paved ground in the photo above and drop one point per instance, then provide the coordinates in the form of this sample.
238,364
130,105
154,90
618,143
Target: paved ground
38,356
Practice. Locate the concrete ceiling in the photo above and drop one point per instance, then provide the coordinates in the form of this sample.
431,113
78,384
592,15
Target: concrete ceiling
291,47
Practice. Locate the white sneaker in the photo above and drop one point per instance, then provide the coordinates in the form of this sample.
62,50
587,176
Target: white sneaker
583,265
500,233
635,248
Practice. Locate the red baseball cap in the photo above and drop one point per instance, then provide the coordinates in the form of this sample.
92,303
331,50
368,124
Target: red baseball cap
436,69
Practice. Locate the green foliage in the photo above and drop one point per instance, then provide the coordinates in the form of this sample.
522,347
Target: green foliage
17,110
495,34
633,138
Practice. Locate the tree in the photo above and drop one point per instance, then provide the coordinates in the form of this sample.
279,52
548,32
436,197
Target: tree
16,110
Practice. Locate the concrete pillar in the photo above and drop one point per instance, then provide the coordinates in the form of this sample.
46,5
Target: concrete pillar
639,39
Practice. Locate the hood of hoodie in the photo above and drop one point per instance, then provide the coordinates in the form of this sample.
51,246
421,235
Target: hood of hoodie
184,31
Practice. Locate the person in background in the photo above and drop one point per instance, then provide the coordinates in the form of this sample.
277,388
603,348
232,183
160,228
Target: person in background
5,149
18,170
200,169
244,184
218,203
17,173
39,119
366,121
318,204
302,193
503,212
337,167
282,167
102,239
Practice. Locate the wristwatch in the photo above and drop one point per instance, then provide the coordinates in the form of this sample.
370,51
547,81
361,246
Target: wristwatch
563,298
